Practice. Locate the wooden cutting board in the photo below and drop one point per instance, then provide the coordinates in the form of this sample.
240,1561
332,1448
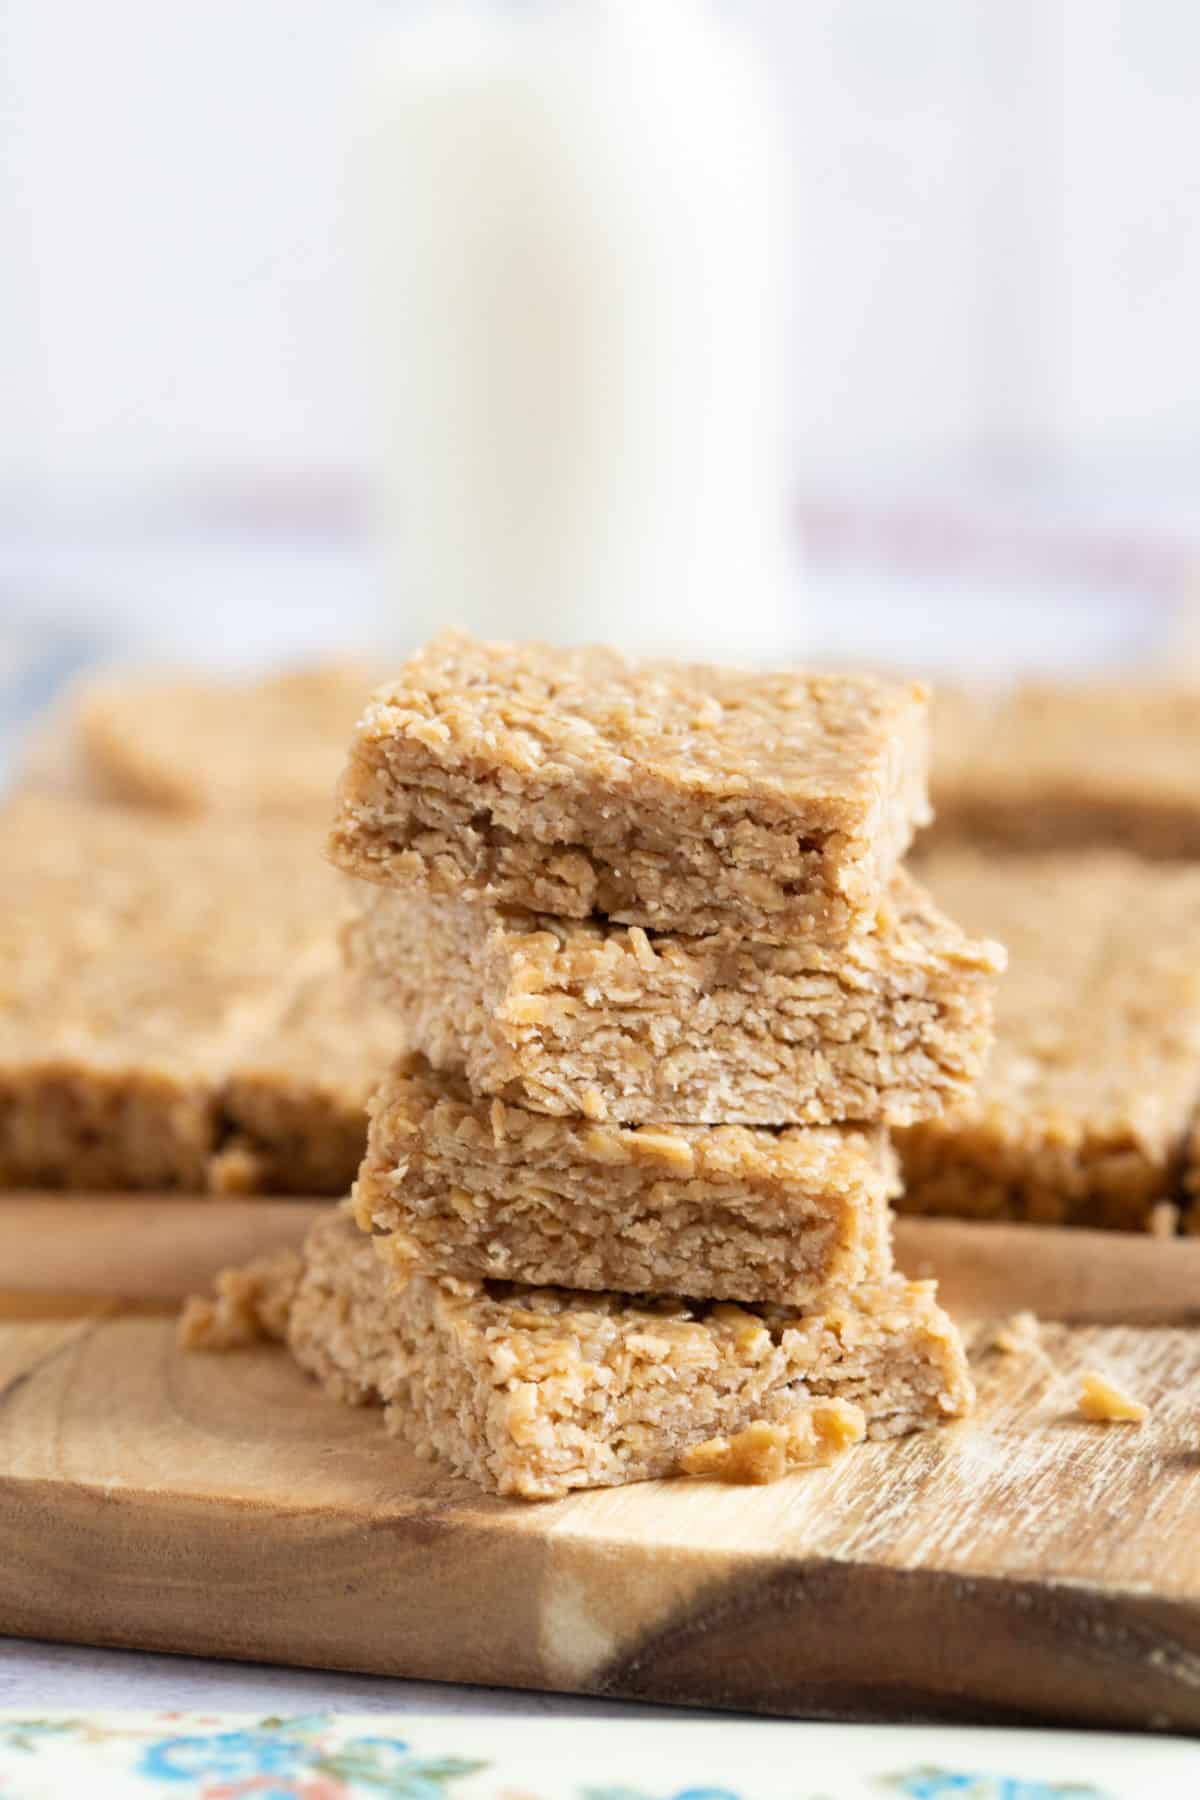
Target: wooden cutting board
1025,1565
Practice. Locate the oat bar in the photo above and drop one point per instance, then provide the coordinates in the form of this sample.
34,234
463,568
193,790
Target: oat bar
189,744
1083,1111
579,1016
293,1104
534,1391
472,1187
1089,764
668,795
163,986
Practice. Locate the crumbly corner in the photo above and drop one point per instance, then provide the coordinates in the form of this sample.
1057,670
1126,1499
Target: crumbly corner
251,1302
766,1450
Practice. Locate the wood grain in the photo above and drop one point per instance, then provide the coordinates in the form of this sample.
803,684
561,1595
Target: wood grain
135,1247
1082,1277
1023,1566
70,1248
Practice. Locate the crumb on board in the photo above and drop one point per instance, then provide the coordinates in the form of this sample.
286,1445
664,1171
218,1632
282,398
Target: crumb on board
1018,1334
251,1302
1103,1401
764,1451
236,1169
1163,1221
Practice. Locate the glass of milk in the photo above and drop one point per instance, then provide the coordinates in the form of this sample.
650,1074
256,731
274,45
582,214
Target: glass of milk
576,226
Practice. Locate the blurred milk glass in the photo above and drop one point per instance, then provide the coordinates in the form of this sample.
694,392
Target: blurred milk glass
576,217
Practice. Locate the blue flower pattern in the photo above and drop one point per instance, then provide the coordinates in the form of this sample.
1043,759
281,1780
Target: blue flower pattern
954,1784
225,1756
313,1758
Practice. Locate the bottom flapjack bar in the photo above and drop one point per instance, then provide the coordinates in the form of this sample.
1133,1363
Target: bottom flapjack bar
535,1391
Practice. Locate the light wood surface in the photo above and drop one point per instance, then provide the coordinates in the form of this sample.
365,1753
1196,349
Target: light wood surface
135,1248
74,1248
1024,1565
1086,1277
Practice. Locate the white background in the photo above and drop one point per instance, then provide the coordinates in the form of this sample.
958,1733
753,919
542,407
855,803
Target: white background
995,406
999,258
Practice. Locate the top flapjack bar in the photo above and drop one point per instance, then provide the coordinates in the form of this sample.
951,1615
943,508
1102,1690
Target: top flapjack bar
1069,765
666,795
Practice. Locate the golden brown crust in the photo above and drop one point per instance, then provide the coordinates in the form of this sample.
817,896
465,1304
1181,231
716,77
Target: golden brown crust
670,795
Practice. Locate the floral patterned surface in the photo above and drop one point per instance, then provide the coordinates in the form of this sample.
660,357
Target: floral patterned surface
325,1756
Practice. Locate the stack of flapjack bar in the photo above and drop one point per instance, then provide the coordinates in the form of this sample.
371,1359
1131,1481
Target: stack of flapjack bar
666,986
